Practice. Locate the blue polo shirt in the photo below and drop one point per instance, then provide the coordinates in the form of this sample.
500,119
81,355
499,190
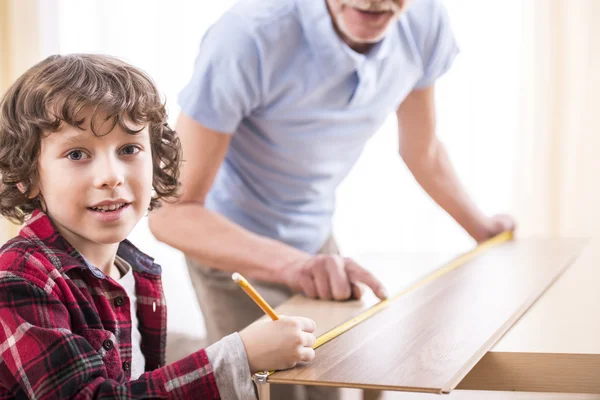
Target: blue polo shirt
300,106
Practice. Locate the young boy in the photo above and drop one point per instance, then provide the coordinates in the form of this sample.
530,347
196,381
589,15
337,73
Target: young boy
85,151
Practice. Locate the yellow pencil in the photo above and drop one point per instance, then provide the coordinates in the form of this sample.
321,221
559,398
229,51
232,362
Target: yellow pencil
250,291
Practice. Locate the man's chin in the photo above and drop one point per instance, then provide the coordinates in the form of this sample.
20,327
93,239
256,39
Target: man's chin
359,36
369,39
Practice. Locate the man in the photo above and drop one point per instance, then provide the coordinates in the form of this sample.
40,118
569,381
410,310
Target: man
284,95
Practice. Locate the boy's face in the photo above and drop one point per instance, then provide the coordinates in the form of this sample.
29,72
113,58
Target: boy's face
96,188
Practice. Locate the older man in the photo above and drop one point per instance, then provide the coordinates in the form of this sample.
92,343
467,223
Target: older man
284,95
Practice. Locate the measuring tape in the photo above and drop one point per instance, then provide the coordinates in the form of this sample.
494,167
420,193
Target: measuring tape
261,377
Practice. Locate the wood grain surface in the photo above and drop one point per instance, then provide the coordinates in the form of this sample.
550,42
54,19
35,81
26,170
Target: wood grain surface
555,346
429,339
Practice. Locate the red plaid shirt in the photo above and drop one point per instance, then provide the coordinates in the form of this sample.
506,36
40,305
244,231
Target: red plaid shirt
66,327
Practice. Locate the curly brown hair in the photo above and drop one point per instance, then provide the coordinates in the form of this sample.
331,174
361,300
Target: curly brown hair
55,91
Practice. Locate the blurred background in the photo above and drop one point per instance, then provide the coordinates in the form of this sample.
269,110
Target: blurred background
518,112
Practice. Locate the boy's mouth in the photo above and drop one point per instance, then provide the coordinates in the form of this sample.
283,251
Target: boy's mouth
108,207
110,211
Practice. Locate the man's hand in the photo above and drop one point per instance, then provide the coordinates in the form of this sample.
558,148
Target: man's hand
429,163
494,226
330,277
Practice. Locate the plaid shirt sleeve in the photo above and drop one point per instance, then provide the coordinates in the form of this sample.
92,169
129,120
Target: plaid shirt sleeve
42,358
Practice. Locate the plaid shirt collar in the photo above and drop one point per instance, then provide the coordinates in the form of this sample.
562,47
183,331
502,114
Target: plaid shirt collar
39,228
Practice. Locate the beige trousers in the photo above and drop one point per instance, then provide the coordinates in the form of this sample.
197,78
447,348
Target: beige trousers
228,309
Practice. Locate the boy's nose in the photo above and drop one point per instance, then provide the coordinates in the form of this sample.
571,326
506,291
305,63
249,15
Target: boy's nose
109,175
112,181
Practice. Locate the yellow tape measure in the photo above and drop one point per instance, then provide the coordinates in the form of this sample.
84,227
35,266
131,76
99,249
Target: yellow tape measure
382,305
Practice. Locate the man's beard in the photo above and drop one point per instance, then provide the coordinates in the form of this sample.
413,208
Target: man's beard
370,6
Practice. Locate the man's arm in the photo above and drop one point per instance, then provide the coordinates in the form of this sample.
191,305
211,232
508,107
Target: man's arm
204,235
428,161
214,240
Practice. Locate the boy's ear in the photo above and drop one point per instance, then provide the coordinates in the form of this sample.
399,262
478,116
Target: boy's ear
34,191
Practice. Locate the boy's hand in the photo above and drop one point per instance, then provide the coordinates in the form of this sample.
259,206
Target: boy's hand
281,344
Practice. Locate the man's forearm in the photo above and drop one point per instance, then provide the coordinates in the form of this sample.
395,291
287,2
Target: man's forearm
433,171
212,239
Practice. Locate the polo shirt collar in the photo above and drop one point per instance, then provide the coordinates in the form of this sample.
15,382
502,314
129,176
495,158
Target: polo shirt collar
329,48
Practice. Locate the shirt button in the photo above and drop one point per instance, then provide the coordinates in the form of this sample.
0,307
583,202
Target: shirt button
119,301
97,273
126,366
108,345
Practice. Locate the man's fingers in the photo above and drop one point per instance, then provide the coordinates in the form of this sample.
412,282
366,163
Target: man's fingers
356,273
509,223
357,291
338,278
308,286
503,223
321,279
333,277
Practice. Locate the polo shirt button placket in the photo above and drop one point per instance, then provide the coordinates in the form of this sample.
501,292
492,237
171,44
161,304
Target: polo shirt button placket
368,84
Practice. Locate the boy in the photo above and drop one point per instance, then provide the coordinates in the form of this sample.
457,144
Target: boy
84,152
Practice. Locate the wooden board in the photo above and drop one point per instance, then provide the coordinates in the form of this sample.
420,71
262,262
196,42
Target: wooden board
555,346
429,339
535,372
396,271
474,395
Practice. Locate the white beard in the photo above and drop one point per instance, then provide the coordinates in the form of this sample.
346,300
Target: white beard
339,18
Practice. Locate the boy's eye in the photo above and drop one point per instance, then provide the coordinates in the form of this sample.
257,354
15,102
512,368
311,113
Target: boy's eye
130,150
76,155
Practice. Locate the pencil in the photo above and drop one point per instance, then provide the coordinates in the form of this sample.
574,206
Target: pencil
258,299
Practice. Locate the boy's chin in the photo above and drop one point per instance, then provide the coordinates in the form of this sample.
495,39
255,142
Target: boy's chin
111,240
108,238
